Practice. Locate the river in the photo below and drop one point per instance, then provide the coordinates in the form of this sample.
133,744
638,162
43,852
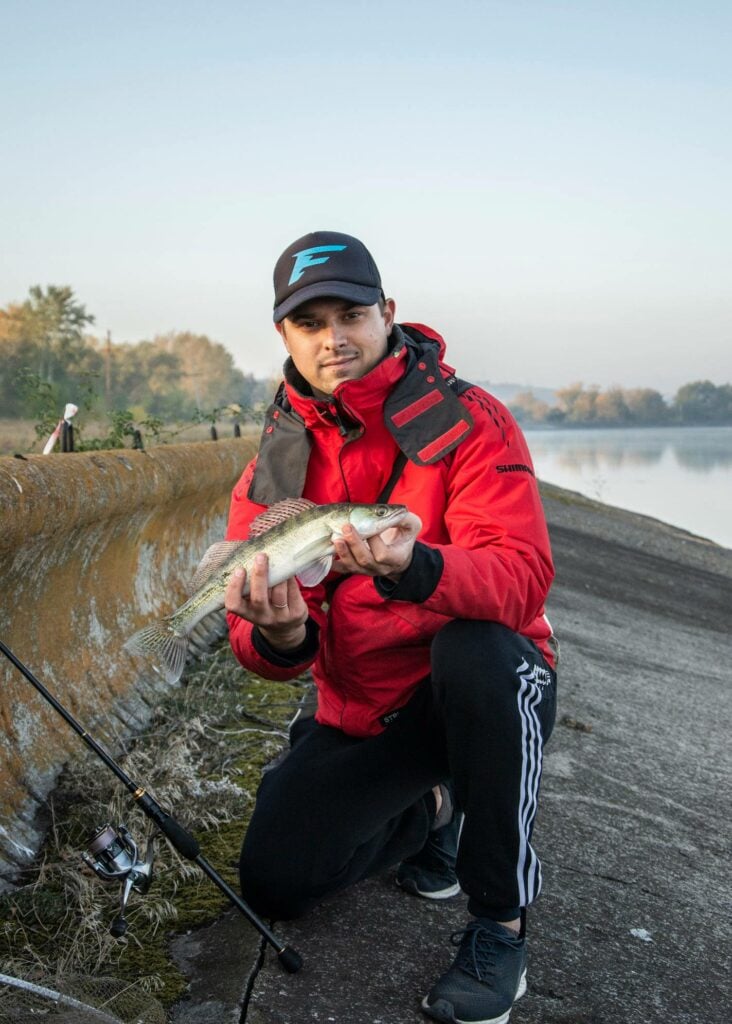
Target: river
682,475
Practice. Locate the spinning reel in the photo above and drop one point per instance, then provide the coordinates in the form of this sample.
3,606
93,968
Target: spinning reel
113,857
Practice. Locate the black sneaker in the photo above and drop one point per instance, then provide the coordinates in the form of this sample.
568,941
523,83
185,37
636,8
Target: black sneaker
431,872
487,977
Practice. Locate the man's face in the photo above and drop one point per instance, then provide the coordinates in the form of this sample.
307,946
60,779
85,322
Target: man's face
332,340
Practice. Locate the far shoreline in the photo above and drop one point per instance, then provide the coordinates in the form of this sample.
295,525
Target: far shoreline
554,427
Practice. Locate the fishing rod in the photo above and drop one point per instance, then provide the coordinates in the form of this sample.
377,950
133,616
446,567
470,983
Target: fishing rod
113,855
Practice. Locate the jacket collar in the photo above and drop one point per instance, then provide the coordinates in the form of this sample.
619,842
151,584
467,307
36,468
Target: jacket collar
410,392
354,401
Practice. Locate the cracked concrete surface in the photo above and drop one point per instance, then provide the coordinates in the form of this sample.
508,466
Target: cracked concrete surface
633,830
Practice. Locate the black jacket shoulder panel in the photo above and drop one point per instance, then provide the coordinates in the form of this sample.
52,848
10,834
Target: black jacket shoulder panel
424,413
284,451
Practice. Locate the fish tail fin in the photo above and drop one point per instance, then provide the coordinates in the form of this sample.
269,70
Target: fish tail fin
167,649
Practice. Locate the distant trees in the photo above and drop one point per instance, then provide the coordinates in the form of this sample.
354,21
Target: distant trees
700,402
646,406
144,376
529,409
46,357
43,335
704,402
208,376
176,374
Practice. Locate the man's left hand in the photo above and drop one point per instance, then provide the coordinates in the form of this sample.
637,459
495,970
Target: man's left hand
386,554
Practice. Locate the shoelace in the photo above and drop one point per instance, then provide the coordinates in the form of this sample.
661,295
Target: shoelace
477,954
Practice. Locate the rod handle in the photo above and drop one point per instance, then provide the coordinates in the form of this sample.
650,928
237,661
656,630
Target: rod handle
290,959
186,844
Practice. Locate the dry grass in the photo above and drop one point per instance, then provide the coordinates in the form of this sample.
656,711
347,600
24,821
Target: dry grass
20,436
17,436
201,756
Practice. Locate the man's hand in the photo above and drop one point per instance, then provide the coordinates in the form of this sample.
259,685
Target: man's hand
387,554
280,612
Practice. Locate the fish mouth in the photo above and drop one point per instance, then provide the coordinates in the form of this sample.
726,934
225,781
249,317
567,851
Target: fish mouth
395,517
373,525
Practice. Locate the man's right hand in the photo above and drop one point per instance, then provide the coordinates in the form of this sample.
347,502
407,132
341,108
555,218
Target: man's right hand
279,612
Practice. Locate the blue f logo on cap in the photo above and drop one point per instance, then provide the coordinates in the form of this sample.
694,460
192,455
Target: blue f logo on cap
305,258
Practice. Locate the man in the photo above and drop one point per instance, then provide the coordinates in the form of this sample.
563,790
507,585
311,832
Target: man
432,655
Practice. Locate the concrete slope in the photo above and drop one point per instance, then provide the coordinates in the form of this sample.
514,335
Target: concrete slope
634,834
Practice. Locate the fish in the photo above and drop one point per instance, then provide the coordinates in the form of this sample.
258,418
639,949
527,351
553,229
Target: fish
297,537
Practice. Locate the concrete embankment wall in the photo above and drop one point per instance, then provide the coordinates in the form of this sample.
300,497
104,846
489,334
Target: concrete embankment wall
92,547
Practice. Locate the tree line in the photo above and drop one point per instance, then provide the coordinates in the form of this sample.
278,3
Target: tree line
697,403
49,357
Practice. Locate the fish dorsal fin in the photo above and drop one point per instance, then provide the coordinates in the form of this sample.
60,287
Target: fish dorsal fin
216,556
277,514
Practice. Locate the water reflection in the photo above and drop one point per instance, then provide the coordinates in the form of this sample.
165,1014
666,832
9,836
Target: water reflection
698,449
680,475
702,460
598,457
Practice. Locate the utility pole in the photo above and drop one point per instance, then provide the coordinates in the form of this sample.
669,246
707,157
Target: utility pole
108,368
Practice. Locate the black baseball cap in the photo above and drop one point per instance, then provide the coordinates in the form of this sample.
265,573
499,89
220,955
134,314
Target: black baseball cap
325,264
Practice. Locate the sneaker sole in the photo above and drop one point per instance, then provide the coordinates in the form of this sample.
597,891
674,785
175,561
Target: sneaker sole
443,1011
439,894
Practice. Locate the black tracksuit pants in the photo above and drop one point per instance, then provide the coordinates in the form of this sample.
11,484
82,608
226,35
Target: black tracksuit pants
339,808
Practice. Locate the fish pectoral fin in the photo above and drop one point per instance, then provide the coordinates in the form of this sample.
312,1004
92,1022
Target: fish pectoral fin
312,574
216,556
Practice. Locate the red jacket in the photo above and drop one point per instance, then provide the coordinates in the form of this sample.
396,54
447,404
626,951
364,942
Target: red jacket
483,552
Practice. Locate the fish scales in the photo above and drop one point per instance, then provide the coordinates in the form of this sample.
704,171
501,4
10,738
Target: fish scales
297,538
283,543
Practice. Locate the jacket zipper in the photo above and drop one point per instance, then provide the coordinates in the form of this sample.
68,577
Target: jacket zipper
348,436
355,433
333,410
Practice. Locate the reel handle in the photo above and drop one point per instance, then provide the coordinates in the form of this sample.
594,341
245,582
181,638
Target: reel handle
118,928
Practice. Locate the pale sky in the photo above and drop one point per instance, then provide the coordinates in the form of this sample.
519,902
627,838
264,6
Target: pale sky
546,183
